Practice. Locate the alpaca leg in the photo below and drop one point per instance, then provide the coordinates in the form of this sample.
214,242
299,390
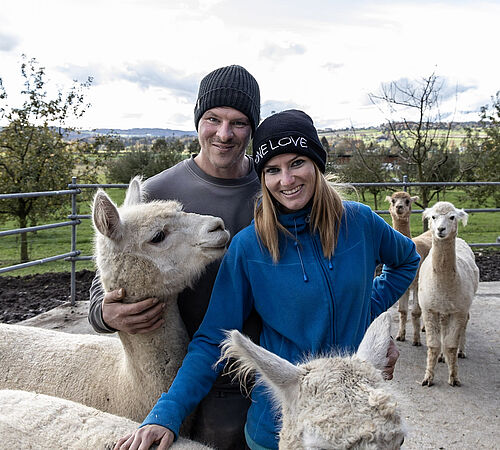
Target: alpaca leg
403,315
461,341
455,327
416,312
451,359
431,321
443,326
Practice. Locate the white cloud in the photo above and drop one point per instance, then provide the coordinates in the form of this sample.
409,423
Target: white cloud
148,56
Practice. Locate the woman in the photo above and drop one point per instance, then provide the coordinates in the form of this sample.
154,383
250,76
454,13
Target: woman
305,264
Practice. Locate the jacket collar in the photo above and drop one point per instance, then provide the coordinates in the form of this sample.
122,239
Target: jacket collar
296,221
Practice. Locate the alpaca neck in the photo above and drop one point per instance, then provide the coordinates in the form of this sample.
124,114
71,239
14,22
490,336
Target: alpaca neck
444,255
160,351
402,225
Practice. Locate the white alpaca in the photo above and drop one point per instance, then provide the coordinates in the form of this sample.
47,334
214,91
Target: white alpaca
448,280
152,250
38,421
329,402
400,209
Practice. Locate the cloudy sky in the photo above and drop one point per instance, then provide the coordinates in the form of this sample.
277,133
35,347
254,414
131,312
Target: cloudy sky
148,56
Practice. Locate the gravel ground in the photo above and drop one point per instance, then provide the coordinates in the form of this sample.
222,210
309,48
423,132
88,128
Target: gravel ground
450,418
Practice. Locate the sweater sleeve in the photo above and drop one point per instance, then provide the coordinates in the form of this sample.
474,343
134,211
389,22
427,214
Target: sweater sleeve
230,305
400,259
95,306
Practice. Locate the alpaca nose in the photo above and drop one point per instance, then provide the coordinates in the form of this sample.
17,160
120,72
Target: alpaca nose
217,224
441,229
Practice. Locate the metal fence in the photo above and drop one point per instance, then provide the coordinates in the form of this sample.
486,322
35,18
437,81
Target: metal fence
75,219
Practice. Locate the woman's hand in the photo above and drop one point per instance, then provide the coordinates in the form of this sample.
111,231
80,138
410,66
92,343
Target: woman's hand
143,438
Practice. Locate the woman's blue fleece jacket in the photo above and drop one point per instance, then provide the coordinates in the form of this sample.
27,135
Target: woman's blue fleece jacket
308,305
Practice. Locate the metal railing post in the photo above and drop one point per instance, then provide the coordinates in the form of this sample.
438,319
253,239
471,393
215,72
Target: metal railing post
73,243
405,181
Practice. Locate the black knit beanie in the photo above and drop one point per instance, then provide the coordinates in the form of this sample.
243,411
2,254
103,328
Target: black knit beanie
231,86
289,131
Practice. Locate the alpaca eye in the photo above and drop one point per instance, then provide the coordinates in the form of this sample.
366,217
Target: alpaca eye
452,217
158,237
407,202
433,217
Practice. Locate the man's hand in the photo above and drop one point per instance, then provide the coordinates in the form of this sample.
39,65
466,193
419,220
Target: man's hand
133,318
144,437
392,357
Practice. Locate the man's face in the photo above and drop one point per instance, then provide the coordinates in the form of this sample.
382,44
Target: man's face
224,134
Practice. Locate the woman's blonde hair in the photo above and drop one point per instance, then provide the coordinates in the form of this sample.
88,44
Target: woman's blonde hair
326,214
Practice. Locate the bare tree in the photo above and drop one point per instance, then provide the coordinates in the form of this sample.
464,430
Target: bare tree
419,136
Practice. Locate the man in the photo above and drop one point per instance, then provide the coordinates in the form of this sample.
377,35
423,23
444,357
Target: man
219,181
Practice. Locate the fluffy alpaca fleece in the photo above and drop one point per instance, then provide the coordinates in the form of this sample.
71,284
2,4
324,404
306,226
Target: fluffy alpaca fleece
37,421
328,402
151,250
448,280
400,204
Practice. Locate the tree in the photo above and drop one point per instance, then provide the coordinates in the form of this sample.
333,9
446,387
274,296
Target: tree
194,146
34,153
145,160
481,159
324,143
166,153
418,134
366,165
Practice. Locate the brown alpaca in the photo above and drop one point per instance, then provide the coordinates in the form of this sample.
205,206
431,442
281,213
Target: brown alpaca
400,209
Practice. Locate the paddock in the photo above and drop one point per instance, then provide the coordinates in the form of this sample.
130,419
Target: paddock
439,417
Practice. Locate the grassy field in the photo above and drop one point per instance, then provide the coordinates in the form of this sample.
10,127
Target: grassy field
369,135
482,228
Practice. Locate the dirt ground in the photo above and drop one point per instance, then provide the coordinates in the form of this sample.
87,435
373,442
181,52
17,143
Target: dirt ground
24,297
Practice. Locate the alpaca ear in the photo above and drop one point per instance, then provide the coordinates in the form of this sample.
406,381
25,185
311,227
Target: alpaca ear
135,192
388,198
375,343
105,216
426,214
281,376
463,216
414,198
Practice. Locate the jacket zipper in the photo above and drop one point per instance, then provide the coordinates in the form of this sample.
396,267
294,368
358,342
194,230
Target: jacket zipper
320,258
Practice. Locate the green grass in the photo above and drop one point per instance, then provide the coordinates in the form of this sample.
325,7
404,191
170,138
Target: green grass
482,227
46,243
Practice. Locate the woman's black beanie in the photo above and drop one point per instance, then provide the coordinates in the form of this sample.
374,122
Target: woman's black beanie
231,86
290,131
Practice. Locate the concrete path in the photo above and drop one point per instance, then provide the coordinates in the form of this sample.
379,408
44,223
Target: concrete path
439,417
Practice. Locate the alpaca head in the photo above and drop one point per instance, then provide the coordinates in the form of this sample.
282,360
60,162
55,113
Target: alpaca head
400,205
152,244
443,220
329,402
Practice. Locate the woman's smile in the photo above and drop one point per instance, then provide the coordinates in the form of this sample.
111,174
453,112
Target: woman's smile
291,180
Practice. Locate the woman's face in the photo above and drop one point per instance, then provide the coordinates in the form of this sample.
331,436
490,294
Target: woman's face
290,178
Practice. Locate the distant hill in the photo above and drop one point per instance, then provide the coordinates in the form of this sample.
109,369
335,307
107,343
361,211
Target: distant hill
133,132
